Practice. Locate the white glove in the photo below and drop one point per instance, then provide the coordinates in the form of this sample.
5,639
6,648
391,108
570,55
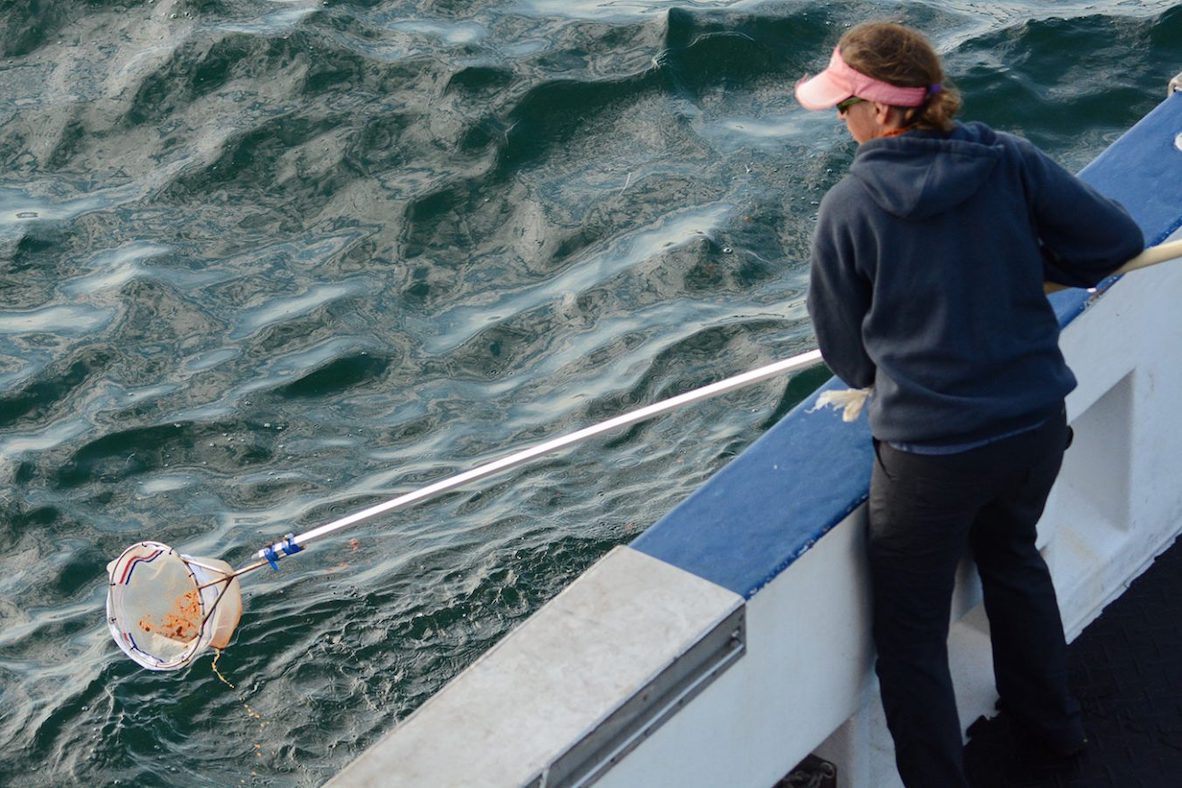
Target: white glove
850,401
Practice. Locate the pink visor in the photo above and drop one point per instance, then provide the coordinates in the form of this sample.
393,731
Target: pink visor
839,81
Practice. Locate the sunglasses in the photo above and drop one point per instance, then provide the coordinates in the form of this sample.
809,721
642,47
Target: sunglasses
843,106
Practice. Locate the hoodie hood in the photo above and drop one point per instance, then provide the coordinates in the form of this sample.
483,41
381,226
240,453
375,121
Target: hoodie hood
922,174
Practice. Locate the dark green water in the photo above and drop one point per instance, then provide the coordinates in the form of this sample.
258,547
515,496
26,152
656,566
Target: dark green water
265,263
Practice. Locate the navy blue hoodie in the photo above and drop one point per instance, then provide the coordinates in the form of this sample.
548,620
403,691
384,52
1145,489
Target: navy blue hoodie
927,280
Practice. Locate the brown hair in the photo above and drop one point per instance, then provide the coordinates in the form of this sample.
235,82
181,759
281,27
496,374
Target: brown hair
904,57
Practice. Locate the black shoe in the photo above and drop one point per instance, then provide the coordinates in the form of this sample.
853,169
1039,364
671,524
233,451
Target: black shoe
1036,746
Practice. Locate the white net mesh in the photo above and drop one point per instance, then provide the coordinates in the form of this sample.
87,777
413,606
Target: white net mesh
164,608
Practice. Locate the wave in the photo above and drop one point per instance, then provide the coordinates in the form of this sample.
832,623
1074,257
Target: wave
265,263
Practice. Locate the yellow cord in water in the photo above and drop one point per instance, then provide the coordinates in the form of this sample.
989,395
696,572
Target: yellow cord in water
258,746
218,655
218,673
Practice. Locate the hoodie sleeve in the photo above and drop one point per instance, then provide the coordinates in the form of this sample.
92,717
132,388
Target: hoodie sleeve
838,300
1084,235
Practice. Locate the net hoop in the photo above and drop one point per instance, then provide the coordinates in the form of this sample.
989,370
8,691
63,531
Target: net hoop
165,608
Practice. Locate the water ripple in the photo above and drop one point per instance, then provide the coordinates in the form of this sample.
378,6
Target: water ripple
59,320
266,262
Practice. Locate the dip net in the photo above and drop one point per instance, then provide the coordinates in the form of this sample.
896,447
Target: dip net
164,608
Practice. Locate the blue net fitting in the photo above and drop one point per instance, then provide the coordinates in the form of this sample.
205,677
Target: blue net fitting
289,548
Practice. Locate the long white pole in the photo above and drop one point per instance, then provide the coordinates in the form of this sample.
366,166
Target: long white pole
279,549
276,551
1151,256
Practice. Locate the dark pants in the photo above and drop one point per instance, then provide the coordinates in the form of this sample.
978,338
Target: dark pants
924,511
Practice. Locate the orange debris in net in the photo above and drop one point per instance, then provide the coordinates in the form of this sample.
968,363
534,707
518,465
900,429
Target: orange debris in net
182,623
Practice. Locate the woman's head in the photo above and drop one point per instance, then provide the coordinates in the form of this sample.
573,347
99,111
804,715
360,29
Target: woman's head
891,65
900,56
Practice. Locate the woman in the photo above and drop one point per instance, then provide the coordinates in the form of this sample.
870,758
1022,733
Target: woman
926,283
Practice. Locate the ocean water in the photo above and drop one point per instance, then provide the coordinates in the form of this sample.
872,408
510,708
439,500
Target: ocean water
267,262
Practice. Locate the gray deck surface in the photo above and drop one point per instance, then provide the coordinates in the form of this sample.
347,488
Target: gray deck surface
1126,671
